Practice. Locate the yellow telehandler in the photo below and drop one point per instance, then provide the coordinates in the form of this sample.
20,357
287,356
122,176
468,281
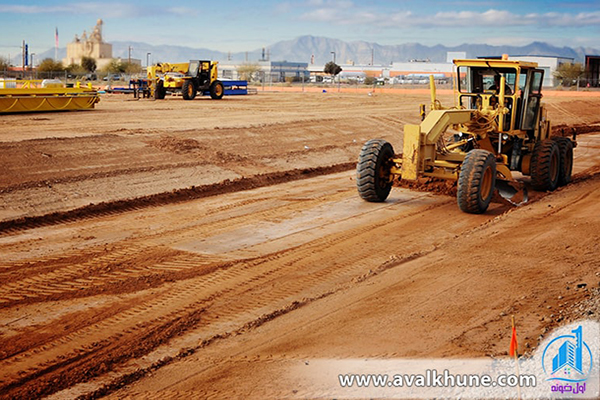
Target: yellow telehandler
501,126
189,79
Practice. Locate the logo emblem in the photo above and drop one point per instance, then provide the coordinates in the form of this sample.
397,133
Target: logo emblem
568,358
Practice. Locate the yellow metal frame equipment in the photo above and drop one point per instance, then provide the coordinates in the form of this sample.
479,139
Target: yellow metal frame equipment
29,98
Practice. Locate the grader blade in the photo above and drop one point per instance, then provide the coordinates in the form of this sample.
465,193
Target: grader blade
513,193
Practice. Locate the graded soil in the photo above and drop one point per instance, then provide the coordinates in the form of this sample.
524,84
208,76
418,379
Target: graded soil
199,249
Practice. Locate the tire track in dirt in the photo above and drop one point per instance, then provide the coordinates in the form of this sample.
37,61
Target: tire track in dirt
119,265
243,294
106,268
78,278
96,175
119,206
205,296
181,299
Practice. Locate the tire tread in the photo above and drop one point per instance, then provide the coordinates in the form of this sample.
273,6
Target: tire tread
366,170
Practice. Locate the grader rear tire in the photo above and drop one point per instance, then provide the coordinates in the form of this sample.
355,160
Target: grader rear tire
565,151
476,182
545,165
373,176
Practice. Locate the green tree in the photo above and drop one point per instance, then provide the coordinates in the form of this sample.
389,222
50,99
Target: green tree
49,65
132,68
568,73
115,66
370,81
4,63
76,69
247,71
332,68
88,63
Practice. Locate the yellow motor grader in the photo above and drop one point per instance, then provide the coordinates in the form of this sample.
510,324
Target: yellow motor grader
197,76
500,127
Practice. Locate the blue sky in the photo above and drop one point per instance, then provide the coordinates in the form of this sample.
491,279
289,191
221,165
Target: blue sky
228,25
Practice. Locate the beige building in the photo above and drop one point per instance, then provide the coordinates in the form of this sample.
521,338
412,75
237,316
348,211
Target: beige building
89,46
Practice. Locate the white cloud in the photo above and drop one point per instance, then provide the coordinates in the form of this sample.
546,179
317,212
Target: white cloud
330,3
104,10
328,15
182,11
32,9
283,8
498,18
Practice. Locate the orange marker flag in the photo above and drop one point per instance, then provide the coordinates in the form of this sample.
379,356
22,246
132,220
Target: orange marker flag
513,340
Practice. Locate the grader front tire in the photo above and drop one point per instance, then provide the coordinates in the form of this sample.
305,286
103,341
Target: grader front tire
476,181
373,176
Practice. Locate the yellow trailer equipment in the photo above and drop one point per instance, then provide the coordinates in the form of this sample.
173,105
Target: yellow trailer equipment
29,96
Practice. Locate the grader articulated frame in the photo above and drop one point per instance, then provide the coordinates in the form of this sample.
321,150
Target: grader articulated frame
501,126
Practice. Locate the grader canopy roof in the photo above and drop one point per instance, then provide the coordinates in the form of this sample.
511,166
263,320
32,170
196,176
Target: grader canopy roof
483,75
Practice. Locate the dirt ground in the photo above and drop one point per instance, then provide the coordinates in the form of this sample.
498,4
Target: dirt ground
200,249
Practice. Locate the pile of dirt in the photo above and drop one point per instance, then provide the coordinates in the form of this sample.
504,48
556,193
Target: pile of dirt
577,129
433,185
176,145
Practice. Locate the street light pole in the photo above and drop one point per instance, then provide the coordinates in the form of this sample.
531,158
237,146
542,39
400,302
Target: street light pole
31,64
148,59
333,52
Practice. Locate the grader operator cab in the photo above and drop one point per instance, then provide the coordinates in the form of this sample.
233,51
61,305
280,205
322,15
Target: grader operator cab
189,79
500,127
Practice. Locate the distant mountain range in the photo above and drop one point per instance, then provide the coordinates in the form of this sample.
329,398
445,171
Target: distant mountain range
301,49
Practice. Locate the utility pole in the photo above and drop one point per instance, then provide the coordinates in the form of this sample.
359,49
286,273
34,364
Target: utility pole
56,44
129,56
148,59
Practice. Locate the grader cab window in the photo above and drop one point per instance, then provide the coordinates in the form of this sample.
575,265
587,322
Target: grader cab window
533,96
486,80
480,87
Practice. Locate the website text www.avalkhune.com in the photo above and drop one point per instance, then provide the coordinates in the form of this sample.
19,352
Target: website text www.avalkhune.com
432,378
